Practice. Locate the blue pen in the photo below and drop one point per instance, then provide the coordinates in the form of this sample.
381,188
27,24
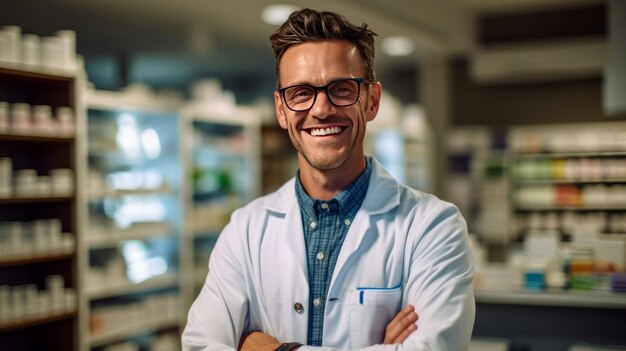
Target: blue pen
362,291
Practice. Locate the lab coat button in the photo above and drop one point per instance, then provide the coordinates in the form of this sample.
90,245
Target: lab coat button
298,307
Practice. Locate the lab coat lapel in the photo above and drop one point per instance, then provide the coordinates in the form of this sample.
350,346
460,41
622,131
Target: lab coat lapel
290,228
293,236
383,195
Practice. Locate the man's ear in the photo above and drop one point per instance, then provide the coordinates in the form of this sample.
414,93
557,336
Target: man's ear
374,93
280,110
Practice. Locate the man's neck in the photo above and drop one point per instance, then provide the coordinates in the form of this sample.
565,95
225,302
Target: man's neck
324,184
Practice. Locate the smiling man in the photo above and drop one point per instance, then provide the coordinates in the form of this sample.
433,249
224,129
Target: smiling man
341,256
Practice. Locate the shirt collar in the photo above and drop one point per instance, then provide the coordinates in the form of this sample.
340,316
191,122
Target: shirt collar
350,199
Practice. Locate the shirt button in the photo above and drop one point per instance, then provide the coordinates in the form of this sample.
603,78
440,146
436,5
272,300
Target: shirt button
317,302
298,307
346,222
325,206
313,225
320,255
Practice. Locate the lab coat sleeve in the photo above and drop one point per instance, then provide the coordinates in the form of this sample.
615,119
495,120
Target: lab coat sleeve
439,284
218,315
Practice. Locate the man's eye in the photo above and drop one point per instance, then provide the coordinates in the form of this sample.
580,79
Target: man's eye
301,93
341,90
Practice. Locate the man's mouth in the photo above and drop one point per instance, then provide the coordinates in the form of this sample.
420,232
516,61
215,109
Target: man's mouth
325,131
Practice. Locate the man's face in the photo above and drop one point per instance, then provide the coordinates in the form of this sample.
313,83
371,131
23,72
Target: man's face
317,64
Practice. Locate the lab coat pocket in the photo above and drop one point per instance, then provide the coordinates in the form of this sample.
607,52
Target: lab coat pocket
371,309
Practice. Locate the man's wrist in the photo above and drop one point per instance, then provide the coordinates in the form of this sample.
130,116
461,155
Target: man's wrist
288,346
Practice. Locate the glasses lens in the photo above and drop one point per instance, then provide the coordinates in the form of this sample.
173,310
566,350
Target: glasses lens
343,92
299,97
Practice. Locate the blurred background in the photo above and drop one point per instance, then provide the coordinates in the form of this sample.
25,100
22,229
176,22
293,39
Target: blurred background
130,130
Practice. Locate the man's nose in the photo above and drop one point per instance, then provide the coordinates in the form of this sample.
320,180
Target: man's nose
322,106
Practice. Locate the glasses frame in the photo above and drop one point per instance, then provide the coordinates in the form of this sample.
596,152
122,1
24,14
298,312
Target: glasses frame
325,89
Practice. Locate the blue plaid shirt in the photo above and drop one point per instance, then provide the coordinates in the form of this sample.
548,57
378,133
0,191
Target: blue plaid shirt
325,226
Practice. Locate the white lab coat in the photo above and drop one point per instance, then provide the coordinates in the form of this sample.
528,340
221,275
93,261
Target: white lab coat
403,247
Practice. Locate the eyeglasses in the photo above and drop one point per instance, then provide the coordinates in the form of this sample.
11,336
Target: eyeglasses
341,93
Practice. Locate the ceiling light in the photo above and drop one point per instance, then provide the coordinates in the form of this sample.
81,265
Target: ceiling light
278,13
398,46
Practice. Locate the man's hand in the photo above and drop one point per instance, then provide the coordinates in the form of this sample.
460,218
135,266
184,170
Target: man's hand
257,341
402,325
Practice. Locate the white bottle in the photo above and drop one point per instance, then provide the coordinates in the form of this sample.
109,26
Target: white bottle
67,49
31,47
51,52
13,36
4,116
65,120
42,118
20,117
6,177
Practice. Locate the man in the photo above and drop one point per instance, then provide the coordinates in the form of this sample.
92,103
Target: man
332,256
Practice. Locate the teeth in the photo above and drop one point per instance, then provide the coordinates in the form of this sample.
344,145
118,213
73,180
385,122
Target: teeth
327,131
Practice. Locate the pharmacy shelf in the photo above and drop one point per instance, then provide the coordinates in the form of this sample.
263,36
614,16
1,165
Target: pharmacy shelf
571,208
221,153
590,299
142,230
103,242
38,73
41,137
527,155
31,322
127,288
34,199
165,190
118,217
44,151
525,182
128,332
35,258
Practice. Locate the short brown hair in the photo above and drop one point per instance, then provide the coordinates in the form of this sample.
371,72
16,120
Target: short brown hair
309,25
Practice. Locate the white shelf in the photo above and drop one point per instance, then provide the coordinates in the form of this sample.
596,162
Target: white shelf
110,238
99,196
570,208
60,72
524,182
102,242
580,154
35,134
125,333
207,213
126,288
136,97
52,255
588,299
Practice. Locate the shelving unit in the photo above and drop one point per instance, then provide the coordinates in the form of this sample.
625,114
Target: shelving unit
279,158
575,175
40,206
404,146
544,256
135,210
222,150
